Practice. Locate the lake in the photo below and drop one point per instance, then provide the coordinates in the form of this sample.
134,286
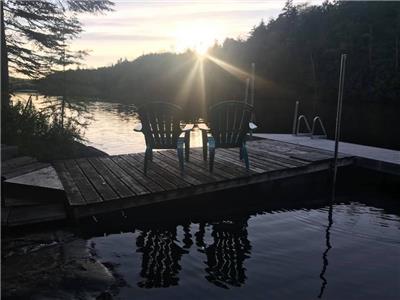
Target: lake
111,126
255,245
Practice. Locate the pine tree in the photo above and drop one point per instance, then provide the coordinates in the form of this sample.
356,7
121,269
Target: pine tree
34,35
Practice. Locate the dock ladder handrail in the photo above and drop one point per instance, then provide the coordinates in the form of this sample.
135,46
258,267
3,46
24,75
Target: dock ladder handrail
303,117
320,136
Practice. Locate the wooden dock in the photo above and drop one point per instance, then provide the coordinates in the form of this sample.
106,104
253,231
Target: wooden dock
374,158
104,184
31,191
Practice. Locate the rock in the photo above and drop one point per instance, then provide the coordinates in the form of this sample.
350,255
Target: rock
104,296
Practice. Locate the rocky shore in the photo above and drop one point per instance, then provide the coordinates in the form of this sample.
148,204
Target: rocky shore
53,264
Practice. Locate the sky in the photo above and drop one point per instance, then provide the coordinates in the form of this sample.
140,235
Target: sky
138,27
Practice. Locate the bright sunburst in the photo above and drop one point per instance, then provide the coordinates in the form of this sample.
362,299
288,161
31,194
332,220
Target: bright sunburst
198,37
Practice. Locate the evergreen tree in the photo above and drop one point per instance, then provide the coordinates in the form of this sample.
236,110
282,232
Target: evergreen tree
34,35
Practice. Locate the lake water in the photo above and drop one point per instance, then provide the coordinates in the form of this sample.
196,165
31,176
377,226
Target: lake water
111,127
263,248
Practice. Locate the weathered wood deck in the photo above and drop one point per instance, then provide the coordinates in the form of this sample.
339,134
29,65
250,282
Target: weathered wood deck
104,184
28,187
374,158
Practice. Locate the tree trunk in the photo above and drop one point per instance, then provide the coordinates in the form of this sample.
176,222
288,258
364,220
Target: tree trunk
5,95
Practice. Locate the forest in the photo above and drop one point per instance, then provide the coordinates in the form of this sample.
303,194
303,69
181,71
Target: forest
296,56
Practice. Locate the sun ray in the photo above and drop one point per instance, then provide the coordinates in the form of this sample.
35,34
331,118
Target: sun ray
240,73
202,89
237,72
183,93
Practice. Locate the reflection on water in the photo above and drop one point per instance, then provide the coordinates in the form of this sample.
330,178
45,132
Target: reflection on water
160,260
111,126
325,254
272,250
226,255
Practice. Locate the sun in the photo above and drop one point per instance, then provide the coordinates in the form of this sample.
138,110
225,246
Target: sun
198,37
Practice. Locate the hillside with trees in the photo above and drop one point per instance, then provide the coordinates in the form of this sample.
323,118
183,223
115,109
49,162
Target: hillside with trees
297,57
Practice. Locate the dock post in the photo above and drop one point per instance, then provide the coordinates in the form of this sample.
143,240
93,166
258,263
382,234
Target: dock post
253,78
296,111
339,113
246,92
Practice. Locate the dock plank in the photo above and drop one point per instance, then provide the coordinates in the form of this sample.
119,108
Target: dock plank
169,173
220,169
256,166
138,175
187,176
266,153
131,182
16,162
161,180
75,197
199,171
118,185
97,180
85,187
24,169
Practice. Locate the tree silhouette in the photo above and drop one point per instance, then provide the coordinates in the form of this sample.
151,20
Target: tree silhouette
297,57
34,33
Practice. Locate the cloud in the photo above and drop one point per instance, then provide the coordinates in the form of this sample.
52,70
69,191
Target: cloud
106,36
137,26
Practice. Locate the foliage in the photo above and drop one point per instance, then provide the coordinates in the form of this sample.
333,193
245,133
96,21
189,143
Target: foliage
35,134
34,42
36,32
297,57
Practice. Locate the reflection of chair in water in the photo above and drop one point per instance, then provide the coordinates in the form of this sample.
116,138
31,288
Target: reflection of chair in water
160,262
226,255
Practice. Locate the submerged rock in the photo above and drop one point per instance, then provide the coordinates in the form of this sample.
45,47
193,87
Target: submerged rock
53,265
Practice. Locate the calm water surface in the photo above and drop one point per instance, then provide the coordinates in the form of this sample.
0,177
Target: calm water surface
267,250
111,127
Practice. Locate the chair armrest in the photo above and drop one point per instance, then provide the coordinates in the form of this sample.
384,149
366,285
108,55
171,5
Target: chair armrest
138,127
188,127
203,126
252,126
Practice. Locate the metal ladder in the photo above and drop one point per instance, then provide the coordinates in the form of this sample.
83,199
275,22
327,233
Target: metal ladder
310,130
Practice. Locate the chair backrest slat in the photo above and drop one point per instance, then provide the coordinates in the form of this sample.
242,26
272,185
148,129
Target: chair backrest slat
229,122
160,124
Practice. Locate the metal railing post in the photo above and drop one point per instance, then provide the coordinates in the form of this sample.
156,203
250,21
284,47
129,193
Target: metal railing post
296,111
339,113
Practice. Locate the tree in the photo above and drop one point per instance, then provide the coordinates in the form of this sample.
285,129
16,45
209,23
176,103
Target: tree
34,35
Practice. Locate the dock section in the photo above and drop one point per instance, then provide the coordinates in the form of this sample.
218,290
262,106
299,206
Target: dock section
31,190
374,158
104,184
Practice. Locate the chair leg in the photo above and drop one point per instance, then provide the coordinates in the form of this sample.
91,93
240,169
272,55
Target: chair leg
187,145
205,141
245,157
179,150
211,146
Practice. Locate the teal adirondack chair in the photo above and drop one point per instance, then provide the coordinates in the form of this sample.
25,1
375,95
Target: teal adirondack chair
228,127
161,126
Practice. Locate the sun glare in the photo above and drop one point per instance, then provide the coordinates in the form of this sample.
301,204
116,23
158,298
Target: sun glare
198,37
